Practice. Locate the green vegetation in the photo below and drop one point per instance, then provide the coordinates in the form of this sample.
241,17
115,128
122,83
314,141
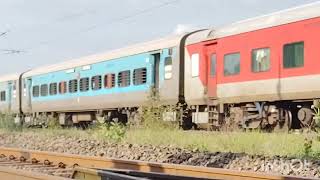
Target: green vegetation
152,130
150,118
248,142
112,132
310,141
153,113
316,109
53,123
308,147
7,122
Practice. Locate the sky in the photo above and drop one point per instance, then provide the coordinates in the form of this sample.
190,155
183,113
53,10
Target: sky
41,32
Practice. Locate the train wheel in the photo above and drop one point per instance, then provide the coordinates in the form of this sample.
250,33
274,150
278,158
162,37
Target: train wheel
305,116
285,121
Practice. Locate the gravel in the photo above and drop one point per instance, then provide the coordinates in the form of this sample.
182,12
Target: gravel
162,154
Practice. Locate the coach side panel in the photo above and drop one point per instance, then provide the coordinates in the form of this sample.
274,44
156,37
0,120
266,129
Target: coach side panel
9,96
268,69
131,93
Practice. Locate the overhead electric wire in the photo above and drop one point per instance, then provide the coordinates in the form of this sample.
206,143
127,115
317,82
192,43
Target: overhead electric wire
116,20
11,51
3,33
112,21
8,51
143,11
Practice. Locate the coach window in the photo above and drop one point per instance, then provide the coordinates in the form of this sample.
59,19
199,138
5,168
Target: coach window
3,96
73,86
195,58
213,63
168,68
96,82
62,87
139,76
44,90
124,79
231,64
35,91
84,84
293,55
53,89
109,81
260,60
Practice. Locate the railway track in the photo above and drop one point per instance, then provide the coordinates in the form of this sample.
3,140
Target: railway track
30,165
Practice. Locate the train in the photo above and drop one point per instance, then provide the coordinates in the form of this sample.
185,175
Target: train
259,73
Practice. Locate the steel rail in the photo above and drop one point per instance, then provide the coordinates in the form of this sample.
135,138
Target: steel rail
171,169
10,173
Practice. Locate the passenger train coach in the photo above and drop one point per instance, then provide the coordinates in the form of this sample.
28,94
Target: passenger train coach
258,73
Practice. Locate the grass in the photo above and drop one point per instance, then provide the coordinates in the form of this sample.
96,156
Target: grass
250,142
254,143
152,130
7,122
159,134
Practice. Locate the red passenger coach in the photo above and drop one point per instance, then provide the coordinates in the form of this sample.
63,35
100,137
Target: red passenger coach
259,73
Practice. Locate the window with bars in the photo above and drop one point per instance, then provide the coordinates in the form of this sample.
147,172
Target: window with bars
84,84
139,76
96,82
124,78
53,89
109,80
3,96
260,60
73,86
231,64
35,91
62,87
293,55
44,90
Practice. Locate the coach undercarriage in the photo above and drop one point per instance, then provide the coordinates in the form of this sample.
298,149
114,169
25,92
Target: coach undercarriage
268,116
80,119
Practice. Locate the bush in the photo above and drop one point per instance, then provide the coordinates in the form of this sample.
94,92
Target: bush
7,122
309,141
53,123
153,112
113,131
307,147
316,109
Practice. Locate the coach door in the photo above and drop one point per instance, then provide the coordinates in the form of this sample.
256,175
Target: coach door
155,62
212,70
27,91
9,96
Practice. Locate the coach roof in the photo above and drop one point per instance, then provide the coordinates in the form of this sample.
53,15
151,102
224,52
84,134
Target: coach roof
9,77
154,45
287,16
197,37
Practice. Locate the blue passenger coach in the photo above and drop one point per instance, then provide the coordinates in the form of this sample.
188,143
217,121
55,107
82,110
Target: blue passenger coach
9,94
110,85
